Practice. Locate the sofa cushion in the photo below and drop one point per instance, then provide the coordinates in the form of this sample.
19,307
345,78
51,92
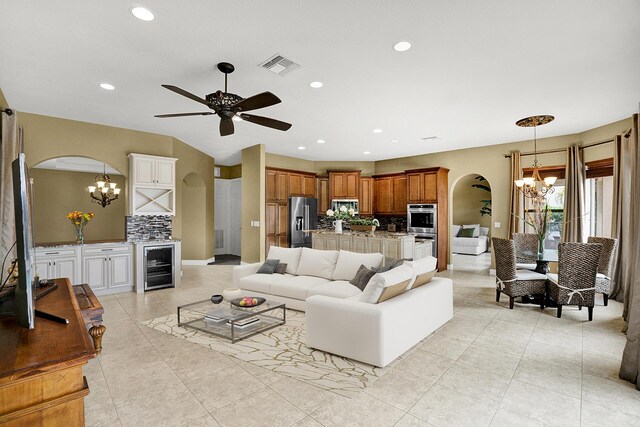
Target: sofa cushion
260,282
349,262
476,229
424,268
269,266
362,277
317,263
466,232
336,289
484,231
394,281
455,229
289,256
468,241
281,268
296,287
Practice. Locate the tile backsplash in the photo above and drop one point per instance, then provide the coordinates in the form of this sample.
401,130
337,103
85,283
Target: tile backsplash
326,223
145,227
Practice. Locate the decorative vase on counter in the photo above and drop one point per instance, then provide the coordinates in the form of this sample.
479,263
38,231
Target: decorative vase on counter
79,236
337,224
231,293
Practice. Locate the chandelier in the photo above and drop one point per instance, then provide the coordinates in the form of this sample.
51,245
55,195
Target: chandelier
534,187
104,191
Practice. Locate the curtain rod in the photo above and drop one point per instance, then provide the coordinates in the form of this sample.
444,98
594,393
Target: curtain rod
559,150
8,111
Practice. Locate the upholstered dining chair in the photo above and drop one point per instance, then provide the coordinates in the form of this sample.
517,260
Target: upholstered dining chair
511,281
575,283
526,243
603,277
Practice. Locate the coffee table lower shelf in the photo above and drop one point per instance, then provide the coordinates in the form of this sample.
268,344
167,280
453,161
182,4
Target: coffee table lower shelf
193,316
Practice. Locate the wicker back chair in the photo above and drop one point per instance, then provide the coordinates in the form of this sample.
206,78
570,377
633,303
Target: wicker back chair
575,283
511,281
526,250
603,278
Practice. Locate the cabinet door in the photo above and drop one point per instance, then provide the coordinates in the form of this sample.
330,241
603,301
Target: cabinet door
165,173
43,269
400,195
95,272
392,249
337,186
271,240
282,186
429,187
119,270
414,188
366,196
351,184
308,186
382,190
344,243
359,244
323,195
317,241
282,241
282,225
66,267
331,243
270,186
144,171
295,184
375,245
271,218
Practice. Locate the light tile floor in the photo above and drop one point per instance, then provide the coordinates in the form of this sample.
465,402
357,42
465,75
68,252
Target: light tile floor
488,366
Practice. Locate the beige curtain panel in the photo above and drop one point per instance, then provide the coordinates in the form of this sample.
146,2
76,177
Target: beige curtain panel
626,227
11,146
515,200
574,183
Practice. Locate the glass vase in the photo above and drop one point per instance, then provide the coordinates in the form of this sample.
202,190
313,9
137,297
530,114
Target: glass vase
79,236
540,244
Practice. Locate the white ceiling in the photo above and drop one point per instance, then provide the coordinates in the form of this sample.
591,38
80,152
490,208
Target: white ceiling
475,68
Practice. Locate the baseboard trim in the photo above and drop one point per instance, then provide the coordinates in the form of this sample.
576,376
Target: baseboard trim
198,261
449,266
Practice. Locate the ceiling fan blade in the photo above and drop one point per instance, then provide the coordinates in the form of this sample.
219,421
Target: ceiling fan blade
261,100
204,113
226,127
266,121
183,92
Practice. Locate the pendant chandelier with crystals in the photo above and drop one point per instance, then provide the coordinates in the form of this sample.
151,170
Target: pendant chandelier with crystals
535,187
104,191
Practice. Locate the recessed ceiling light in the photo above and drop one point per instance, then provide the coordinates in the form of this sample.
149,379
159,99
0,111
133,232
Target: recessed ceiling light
321,141
107,86
367,152
377,131
302,148
142,13
316,85
402,46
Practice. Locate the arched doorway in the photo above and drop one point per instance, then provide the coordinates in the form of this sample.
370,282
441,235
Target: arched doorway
194,221
471,224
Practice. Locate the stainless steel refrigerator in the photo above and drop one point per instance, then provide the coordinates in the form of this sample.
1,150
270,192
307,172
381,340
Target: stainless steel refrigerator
303,215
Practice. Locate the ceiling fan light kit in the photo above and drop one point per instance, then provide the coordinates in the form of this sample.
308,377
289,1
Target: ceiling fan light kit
230,107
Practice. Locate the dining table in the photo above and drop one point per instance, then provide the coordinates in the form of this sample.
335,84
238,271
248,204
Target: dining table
542,259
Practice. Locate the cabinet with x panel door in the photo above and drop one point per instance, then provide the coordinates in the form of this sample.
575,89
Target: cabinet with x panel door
152,189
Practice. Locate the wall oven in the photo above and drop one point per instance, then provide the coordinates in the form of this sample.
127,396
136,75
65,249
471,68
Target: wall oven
422,219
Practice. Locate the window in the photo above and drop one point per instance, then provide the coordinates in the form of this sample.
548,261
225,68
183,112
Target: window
599,203
555,201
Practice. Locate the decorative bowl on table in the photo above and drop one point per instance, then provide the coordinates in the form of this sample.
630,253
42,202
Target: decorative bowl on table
216,299
231,294
246,302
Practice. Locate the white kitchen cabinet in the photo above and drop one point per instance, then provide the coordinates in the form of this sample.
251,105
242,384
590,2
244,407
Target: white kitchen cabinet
375,245
344,243
58,263
392,248
152,187
108,268
359,244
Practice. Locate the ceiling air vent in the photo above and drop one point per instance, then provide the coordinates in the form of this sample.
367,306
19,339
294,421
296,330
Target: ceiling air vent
429,138
279,65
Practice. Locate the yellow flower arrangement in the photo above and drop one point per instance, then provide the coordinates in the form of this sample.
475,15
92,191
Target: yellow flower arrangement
79,220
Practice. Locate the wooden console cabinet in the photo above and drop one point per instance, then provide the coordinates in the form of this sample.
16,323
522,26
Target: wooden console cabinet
41,381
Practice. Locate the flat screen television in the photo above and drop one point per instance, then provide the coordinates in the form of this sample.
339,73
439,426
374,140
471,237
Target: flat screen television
24,293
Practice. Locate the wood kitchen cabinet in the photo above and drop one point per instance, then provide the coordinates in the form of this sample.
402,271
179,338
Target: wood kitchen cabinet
324,202
276,224
366,196
309,186
295,184
426,185
344,185
390,194
277,186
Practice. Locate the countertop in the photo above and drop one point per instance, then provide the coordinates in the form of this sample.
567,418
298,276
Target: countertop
383,234
102,242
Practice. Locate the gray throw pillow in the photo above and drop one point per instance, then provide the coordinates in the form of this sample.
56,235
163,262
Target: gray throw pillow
269,266
281,268
362,277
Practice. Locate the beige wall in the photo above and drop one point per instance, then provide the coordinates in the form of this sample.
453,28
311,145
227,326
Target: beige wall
56,193
466,202
253,199
49,137
3,101
317,167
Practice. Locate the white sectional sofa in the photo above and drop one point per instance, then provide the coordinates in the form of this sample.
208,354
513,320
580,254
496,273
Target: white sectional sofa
342,319
475,245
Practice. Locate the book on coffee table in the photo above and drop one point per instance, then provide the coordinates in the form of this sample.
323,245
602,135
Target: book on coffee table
245,323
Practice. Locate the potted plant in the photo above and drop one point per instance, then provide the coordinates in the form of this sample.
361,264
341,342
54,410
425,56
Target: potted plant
80,220
364,224
340,215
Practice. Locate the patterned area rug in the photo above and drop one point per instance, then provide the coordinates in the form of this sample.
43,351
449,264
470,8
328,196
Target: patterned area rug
283,350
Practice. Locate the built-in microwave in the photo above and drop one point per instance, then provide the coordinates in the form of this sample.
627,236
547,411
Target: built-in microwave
336,204
422,219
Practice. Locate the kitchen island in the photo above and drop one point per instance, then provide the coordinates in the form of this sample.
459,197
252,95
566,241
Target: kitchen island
392,245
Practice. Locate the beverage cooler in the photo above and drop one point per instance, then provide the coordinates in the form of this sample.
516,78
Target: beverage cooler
159,271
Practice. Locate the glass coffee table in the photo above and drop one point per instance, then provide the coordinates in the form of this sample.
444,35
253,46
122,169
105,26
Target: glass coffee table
231,322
